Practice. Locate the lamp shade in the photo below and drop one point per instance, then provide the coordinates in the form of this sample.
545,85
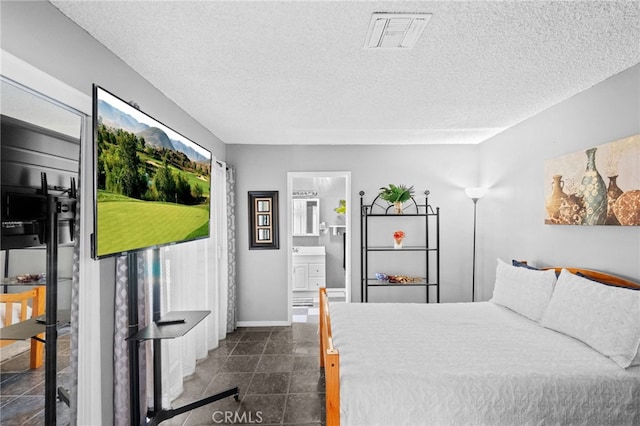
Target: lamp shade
475,193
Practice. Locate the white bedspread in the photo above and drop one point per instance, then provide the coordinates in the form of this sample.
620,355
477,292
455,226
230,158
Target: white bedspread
472,364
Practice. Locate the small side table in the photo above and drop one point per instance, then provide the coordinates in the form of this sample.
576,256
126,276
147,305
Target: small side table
171,325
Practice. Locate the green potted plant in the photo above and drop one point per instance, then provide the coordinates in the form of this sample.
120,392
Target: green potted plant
342,207
396,195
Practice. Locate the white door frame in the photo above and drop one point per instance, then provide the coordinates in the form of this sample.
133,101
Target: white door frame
289,244
90,403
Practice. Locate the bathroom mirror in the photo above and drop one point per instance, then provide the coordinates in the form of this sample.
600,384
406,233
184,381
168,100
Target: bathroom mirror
306,217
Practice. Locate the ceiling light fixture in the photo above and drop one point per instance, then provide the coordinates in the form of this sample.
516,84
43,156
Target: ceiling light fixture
395,30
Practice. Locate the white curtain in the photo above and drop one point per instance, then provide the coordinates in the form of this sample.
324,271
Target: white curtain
194,277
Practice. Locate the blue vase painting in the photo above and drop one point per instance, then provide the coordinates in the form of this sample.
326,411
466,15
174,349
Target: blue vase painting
575,194
594,192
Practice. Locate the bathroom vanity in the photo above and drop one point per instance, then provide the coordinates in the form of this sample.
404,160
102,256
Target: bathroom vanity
309,269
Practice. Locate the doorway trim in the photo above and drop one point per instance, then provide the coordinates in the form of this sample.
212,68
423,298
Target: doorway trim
289,241
91,383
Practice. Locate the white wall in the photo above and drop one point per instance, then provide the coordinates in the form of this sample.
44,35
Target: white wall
511,216
444,170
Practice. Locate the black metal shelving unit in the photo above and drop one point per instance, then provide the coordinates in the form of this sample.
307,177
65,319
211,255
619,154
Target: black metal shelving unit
382,210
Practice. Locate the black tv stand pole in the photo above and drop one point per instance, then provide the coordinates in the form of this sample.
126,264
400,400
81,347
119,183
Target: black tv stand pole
169,326
134,345
51,311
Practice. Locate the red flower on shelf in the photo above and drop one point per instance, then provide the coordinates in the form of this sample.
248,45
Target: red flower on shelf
398,236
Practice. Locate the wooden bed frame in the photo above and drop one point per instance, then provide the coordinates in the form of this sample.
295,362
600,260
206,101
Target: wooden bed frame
37,297
330,356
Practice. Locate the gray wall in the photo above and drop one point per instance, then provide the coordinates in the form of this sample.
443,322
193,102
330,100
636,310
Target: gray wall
511,216
444,170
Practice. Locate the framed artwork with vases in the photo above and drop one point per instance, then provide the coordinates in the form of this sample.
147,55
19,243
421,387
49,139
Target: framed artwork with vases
595,186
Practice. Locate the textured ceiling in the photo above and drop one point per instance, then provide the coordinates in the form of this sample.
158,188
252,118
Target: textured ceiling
297,73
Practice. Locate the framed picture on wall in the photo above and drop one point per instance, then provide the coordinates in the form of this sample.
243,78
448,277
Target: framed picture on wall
595,186
263,220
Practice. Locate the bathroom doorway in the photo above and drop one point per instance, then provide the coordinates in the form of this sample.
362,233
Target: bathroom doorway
318,240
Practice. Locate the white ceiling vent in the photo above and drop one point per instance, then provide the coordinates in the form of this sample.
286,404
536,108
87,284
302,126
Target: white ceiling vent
395,30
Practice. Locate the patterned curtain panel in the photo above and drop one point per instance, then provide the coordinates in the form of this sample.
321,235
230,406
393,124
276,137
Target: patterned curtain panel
143,316
218,263
121,383
75,286
121,406
231,248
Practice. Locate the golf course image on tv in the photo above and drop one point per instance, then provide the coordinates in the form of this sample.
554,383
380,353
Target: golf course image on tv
152,183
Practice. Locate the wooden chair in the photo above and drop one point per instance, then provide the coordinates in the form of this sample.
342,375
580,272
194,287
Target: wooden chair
37,297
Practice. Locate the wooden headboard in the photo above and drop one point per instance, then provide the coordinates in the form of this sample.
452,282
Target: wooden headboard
601,276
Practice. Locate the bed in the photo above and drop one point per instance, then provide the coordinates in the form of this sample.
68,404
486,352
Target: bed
529,356
18,307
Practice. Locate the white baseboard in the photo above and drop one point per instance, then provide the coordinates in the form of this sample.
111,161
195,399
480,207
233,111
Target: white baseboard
263,323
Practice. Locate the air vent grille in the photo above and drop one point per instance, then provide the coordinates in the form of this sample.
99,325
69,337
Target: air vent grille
395,30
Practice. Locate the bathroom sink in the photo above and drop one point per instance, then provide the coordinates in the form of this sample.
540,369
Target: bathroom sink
308,250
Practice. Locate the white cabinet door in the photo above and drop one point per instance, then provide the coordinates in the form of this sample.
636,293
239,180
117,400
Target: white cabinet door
316,270
300,277
316,282
316,276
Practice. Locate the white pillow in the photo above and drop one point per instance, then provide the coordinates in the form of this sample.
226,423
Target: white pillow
605,317
525,291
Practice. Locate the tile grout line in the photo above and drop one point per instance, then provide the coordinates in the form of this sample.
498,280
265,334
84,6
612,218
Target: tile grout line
246,392
253,374
286,397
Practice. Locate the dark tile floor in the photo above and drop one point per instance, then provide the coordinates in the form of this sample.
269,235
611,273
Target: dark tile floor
275,368
22,389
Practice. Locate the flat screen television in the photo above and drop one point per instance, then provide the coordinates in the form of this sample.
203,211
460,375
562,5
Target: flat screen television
152,184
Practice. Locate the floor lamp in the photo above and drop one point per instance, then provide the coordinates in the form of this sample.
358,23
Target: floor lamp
475,194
